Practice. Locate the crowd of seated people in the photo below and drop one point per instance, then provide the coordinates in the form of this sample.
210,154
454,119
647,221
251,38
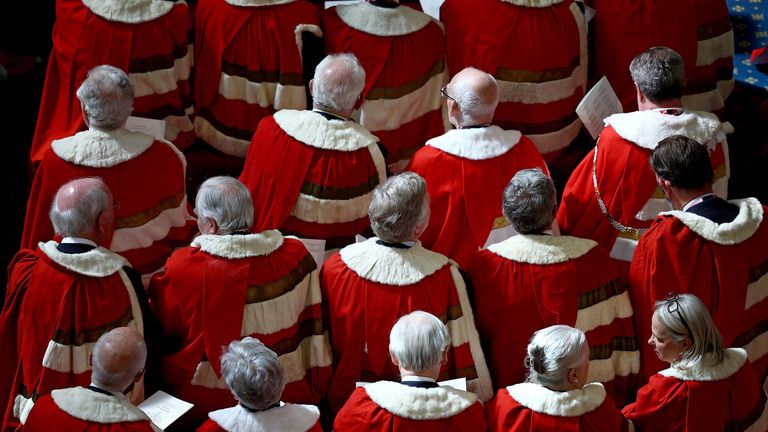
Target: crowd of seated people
386,260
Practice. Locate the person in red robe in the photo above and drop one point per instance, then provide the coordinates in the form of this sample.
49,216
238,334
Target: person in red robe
315,171
534,280
418,347
367,286
149,39
62,296
403,53
557,395
146,175
706,386
612,197
256,377
709,247
229,284
536,50
107,404
248,64
467,168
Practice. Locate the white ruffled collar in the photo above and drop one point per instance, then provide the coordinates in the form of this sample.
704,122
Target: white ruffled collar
315,130
419,403
476,143
130,11
257,3
101,149
287,417
733,361
380,21
542,249
572,403
97,262
533,3
389,265
90,406
240,246
647,128
743,227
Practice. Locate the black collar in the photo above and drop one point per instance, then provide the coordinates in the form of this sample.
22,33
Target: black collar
384,3
393,245
98,390
420,384
253,410
329,116
477,126
74,248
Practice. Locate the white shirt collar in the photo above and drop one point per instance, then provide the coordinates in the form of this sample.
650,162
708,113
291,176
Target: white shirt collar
79,240
417,378
696,200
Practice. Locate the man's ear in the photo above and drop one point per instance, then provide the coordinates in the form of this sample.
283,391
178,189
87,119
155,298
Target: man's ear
310,86
445,356
394,359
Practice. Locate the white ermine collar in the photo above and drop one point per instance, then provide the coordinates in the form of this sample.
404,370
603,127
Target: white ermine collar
257,3
389,265
542,249
90,406
288,418
381,21
571,403
533,3
130,11
240,246
315,130
101,149
476,143
419,403
98,262
743,227
733,361
647,128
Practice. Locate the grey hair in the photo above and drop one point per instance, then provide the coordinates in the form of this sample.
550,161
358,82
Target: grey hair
659,72
418,340
80,218
107,97
707,347
529,201
398,206
551,352
339,79
473,108
117,357
253,373
227,201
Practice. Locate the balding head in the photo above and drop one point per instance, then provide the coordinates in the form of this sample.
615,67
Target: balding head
106,97
474,95
418,341
79,207
339,80
118,358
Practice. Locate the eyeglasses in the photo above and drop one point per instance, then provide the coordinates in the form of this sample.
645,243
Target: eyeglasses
673,306
445,95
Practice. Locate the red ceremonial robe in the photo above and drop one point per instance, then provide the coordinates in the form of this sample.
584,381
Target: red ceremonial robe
367,287
529,282
312,177
466,172
79,409
726,397
724,265
625,180
391,406
403,53
248,65
148,39
537,50
147,180
57,306
226,287
530,407
285,418
700,30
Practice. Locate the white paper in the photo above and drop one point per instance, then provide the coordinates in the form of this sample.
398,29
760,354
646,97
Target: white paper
589,13
316,248
359,238
330,4
432,7
597,104
458,383
500,234
153,127
164,409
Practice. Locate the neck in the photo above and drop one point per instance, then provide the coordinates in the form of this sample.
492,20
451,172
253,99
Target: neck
344,114
671,103
683,197
429,373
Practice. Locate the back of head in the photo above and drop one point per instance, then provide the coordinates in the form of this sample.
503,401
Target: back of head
659,73
418,341
106,96
477,95
706,342
683,162
253,373
227,201
398,206
77,206
118,357
529,201
551,352
339,79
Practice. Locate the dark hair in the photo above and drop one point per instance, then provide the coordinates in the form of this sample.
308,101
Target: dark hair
659,72
683,162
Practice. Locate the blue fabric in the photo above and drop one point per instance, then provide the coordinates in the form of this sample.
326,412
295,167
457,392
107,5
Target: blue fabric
750,29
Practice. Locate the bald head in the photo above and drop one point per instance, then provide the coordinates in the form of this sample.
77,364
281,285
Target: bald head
77,206
475,96
339,80
118,357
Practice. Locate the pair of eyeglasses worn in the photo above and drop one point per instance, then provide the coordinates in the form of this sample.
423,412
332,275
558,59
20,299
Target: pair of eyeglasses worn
673,306
444,94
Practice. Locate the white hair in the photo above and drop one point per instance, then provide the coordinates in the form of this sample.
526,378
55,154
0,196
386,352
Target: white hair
474,109
107,97
418,341
398,207
339,79
80,218
227,201
253,373
551,352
